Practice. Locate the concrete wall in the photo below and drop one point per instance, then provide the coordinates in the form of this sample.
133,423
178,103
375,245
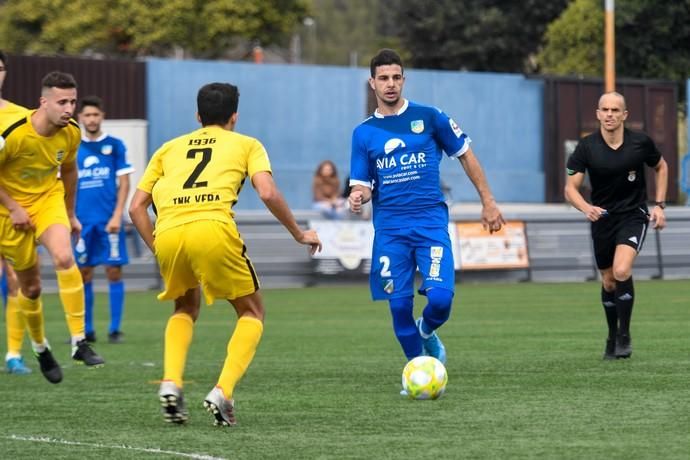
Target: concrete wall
305,114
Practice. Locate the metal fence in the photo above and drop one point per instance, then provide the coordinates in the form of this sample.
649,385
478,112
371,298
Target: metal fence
558,240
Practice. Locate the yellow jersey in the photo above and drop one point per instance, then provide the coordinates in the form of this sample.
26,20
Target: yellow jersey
199,176
11,112
29,162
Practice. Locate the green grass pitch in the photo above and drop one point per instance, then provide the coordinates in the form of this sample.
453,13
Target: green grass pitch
526,380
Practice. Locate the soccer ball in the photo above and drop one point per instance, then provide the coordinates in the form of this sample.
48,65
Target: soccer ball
424,377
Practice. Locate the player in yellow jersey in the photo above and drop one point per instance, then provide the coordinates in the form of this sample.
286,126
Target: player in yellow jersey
14,320
37,206
193,181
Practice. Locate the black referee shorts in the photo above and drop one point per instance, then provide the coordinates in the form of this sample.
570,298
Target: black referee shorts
628,228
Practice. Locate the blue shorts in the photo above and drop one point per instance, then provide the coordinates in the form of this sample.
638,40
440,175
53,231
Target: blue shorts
98,247
398,253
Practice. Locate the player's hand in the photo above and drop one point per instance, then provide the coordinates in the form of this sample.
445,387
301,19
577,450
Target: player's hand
75,228
658,218
492,220
594,213
113,225
355,201
311,238
20,220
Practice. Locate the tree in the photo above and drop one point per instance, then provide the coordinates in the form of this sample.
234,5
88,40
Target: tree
202,28
485,35
575,41
342,31
651,40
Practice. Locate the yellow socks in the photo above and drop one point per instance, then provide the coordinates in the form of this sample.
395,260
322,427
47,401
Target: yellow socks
241,350
15,327
178,338
71,289
32,310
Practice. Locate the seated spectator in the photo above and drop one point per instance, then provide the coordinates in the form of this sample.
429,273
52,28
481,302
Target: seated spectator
327,195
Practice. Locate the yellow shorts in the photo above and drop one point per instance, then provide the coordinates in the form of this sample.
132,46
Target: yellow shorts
206,252
20,247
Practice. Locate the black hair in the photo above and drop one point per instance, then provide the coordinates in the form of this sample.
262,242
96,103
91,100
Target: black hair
217,102
385,56
93,101
56,79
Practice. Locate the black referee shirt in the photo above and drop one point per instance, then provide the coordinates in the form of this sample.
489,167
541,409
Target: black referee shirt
616,176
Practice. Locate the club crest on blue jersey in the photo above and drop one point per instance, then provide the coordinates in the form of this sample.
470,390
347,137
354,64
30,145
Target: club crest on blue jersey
417,126
387,285
107,149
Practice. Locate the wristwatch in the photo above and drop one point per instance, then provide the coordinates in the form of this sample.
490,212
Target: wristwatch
661,204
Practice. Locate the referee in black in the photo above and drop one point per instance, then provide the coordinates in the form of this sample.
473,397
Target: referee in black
614,157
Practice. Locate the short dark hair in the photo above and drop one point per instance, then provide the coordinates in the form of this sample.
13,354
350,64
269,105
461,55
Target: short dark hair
93,101
57,79
217,102
3,58
385,56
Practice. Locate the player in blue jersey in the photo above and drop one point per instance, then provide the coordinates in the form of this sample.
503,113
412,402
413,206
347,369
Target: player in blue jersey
396,154
102,191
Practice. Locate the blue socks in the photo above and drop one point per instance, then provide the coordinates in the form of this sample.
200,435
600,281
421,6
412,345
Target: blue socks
88,308
437,309
3,286
435,314
404,326
117,300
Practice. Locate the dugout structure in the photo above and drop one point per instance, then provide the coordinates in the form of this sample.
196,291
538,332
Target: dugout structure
570,113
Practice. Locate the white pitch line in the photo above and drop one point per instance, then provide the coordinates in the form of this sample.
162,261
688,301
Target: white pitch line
107,446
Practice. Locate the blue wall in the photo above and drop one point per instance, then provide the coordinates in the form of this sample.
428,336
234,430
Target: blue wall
305,114
502,114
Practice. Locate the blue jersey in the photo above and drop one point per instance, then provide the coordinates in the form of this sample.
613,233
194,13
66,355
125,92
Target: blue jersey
100,162
398,157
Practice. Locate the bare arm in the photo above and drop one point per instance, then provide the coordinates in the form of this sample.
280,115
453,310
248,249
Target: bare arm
358,196
69,175
491,215
138,212
268,192
575,198
18,216
115,222
661,180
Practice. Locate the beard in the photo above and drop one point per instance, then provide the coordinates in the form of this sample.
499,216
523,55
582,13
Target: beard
390,102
